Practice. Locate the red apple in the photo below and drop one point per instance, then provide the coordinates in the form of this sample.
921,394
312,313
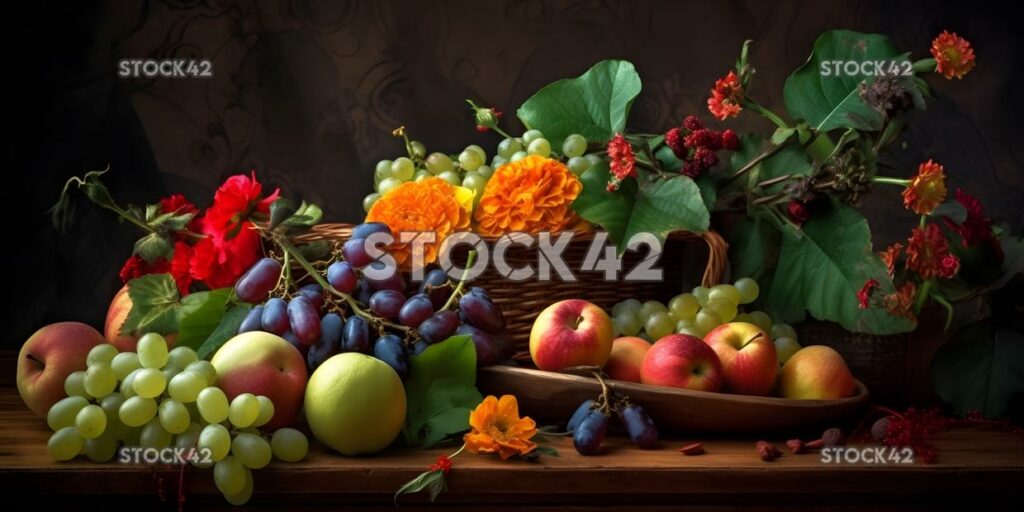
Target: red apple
816,373
262,363
571,333
116,315
748,357
48,357
682,361
626,358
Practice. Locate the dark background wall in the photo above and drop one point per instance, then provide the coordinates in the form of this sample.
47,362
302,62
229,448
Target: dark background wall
307,92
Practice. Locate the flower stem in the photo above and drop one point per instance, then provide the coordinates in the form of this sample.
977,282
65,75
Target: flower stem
922,295
764,155
890,181
457,452
771,116
949,309
470,259
924,66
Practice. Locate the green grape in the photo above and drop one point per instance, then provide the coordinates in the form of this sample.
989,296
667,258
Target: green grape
470,160
65,443
474,181
659,325
485,171
62,414
170,371
289,445
748,290
185,386
496,162
702,294
99,380
154,435
452,177
382,170
478,150
626,305
136,411
783,331
102,353
74,385
509,147
251,450
726,310
149,383
627,323
684,306
785,348
128,383
706,320
266,411
369,200
205,369
229,475
438,163
646,337
213,405
726,292
124,363
91,421
182,356
574,146
531,135
110,405
649,308
243,410
217,439
594,159
691,331
387,185
686,323
173,416
190,437
578,165
131,436
539,147
152,350
517,156
102,448
420,176
403,169
760,319
245,495
418,149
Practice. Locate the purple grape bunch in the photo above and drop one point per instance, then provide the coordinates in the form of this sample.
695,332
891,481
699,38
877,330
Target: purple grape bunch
391,325
590,422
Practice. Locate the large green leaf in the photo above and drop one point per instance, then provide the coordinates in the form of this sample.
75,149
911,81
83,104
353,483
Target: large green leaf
441,391
226,329
597,205
154,305
595,104
831,101
754,248
666,205
199,315
980,370
822,271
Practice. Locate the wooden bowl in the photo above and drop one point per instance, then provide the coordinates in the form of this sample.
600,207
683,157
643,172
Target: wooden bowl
554,396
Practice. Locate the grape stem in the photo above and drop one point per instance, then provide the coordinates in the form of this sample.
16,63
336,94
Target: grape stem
470,258
605,394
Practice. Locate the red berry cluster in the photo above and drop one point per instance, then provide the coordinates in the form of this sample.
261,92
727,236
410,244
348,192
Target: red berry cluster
697,146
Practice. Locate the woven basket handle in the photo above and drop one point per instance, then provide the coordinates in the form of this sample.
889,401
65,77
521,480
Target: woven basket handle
718,257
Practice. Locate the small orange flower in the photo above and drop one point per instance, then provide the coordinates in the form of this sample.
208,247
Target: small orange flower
890,255
529,195
901,302
953,54
725,97
497,428
429,205
928,253
926,190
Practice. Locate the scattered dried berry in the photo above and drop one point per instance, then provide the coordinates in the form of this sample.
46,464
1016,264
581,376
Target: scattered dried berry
692,449
814,445
833,437
796,446
767,451
879,429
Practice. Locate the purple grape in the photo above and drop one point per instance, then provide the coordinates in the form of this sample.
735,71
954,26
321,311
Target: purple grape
355,336
366,229
577,417
257,282
342,277
291,338
419,347
354,252
439,327
275,316
392,280
415,310
390,349
480,312
587,438
640,426
330,341
387,303
305,320
253,321
436,285
315,293
490,349
363,292
480,292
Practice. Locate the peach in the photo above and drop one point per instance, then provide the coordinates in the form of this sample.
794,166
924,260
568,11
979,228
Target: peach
571,333
682,361
116,315
816,372
749,360
48,357
626,358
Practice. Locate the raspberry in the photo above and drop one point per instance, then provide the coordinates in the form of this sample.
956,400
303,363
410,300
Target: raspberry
729,140
833,437
674,140
692,123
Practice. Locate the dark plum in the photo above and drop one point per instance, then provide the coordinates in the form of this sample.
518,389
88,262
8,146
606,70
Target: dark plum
304,319
436,286
366,229
415,310
640,426
439,327
256,283
253,320
577,417
275,316
387,303
587,438
354,252
482,313
330,341
342,277
390,349
355,337
315,293
291,338
490,349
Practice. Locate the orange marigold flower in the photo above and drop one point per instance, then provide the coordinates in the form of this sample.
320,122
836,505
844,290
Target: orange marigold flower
429,205
901,302
529,195
926,190
725,97
928,253
497,428
953,54
890,255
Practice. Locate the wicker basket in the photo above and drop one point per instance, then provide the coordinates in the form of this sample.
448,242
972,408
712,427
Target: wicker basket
521,301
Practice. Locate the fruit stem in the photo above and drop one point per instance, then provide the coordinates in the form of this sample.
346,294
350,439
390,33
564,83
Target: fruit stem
470,259
752,338
605,393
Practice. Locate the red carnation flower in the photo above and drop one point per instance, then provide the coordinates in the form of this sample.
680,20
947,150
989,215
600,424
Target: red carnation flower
176,203
622,160
180,267
135,267
928,253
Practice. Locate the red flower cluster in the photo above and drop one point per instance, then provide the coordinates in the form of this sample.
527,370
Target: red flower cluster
135,266
726,97
697,146
444,463
864,294
976,229
953,54
928,253
622,161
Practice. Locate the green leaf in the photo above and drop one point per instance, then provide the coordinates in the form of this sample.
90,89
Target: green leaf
315,251
667,205
177,222
980,370
754,248
792,160
226,329
306,216
440,391
822,271
952,209
154,246
199,315
154,305
548,450
708,190
433,481
596,104
828,102
280,210
597,205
